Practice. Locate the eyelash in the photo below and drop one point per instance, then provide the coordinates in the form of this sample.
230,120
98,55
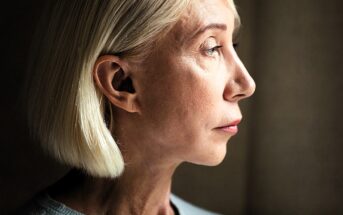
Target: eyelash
235,45
213,49
216,48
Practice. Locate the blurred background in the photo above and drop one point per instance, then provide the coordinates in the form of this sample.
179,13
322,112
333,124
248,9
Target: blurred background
287,157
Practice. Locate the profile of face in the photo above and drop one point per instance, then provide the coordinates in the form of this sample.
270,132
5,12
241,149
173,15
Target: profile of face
186,89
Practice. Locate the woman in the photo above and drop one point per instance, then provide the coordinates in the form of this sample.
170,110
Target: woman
126,91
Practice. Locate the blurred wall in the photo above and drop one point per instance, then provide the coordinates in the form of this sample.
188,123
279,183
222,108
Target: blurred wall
286,158
295,157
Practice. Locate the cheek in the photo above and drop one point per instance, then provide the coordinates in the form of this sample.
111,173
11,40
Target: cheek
180,104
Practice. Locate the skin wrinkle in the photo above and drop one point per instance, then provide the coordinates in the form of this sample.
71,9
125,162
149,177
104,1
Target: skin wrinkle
199,26
182,94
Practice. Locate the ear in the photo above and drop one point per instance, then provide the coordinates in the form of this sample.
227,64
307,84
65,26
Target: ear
111,76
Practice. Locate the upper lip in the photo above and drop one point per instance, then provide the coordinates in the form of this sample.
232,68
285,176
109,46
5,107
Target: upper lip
233,123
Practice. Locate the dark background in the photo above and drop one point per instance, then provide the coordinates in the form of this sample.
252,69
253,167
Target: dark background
287,157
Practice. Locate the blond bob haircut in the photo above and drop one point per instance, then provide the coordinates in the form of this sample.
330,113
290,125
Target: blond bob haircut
66,112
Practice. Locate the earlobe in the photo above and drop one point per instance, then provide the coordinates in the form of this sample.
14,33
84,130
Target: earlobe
112,79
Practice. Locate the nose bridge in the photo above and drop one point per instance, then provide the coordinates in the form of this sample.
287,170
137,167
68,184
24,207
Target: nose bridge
241,82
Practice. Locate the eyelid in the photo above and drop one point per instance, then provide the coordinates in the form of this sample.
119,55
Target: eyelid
210,47
209,43
210,51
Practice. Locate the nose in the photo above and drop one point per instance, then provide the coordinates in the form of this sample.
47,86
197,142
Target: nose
240,85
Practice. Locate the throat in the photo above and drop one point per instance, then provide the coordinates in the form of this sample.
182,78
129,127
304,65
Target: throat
135,192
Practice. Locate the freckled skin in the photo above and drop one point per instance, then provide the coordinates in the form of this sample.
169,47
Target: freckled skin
184,94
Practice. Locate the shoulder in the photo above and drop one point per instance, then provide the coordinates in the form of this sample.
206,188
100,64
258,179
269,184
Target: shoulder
42,204
186,208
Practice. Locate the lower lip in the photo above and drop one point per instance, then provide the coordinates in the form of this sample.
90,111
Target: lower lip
229,129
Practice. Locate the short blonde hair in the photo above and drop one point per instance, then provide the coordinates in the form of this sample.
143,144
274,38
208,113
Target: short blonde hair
66,112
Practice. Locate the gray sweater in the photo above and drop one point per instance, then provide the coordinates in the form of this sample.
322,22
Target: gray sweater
45,205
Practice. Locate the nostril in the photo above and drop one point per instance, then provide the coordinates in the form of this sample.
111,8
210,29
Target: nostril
242,96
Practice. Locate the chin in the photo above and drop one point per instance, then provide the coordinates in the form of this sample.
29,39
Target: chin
215,162
211,158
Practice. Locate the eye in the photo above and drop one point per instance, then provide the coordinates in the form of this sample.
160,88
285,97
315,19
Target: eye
210,47
213,50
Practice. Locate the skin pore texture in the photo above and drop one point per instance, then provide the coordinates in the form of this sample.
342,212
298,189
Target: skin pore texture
189,85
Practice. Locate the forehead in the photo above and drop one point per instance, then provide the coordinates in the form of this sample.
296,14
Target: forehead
205,12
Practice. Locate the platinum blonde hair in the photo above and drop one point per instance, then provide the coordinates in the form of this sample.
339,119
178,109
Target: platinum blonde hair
66,112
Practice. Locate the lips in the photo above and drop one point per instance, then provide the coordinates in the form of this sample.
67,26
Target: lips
234,123
231,127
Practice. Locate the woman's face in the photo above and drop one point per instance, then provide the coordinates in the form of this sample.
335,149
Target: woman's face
190,86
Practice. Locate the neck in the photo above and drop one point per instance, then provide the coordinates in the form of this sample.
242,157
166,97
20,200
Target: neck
147,192
140,190
143,188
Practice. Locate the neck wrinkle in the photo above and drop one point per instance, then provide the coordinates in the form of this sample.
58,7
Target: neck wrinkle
142,189
139,192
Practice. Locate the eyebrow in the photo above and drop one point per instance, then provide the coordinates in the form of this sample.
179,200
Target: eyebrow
219,26
213,26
